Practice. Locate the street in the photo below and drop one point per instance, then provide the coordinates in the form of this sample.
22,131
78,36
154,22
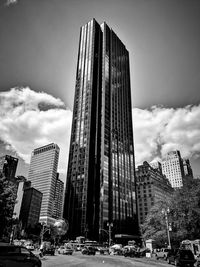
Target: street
77,259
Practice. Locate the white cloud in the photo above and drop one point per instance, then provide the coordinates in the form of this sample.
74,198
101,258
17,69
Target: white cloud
10,2
160,130
25,126
29,119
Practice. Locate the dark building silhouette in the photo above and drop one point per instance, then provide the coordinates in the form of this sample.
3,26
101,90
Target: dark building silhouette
30,207
187,169
100,188
58,198
8,166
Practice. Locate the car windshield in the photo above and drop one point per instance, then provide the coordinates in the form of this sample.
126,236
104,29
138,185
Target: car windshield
68,246
186,252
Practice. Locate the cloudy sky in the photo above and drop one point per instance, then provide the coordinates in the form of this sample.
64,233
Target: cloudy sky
38,56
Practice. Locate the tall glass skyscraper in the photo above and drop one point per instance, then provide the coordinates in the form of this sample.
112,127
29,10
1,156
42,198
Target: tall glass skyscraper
100,189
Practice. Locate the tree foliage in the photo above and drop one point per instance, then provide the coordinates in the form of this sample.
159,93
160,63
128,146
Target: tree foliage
183,216
7,201
33,232
185,211
154,226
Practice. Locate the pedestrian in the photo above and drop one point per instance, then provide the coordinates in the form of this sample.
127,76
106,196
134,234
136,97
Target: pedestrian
41,250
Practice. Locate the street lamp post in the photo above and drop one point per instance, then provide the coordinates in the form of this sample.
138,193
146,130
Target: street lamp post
12,234
43,231
166,212
101,229
110,225
86,231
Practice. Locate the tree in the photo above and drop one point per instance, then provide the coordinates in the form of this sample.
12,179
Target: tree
183,216
17,228
154,226
185,211
7,201
33,232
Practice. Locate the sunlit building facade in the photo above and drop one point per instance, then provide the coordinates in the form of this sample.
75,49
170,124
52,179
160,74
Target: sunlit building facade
20,190
152,187
172,167
100,189
43,176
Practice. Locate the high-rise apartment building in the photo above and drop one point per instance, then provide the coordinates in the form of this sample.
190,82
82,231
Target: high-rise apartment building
100,189
152,186
172,167
58,198
43,175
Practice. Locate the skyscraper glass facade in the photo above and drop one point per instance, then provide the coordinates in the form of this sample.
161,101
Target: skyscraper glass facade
100,187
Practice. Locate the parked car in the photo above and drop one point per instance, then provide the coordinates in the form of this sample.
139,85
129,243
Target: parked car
103,250
141,252
116,249
161,253
30,247
80,247
129,251
47,248
89,250
17,256
198,261
181,257
65,250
